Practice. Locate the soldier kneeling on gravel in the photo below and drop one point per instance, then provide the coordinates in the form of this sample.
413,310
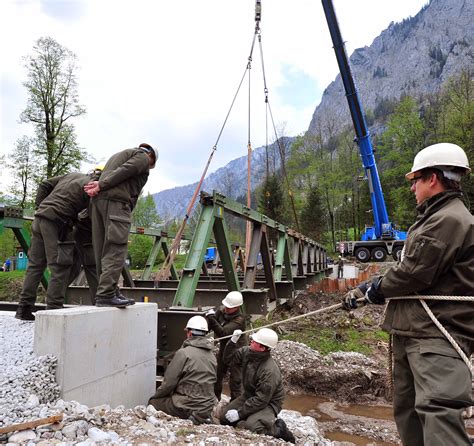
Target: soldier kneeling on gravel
187,390
257,408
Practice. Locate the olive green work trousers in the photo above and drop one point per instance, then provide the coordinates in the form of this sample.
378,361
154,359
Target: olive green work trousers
432,386
111,222
165,404
47,252
261,422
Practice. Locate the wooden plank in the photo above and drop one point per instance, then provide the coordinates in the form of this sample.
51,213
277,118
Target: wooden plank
31,424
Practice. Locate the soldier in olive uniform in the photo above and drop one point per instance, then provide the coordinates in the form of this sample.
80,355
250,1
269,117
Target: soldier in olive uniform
58,201
114,197
257,407
432,382
187,390
224,322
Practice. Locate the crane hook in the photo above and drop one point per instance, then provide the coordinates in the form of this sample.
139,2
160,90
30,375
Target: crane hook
258,10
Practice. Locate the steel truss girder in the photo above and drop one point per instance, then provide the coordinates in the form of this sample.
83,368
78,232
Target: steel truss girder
300,257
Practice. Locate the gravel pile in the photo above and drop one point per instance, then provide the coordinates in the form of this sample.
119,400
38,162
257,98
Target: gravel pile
27,383
345,376
28,392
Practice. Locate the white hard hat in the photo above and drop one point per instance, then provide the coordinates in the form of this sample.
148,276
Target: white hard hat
149,149
197,323
267,337
233,299
443,156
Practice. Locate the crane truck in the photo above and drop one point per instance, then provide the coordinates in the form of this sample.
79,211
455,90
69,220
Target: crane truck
382,238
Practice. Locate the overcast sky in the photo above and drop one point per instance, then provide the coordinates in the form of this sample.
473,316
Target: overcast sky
165,72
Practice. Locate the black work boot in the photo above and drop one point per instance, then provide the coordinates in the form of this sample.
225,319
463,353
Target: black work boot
113,301
119,295
24,313
283,432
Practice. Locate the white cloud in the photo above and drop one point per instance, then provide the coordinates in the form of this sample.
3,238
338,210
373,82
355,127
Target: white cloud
165,72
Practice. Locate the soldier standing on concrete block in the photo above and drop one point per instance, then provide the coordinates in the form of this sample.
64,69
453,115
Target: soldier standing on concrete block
432,380
58,202
114,197
257,408
187,390
224,322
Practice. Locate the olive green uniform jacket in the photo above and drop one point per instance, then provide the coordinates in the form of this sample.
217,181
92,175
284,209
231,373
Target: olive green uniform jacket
438,259
261,382
124,176
61,198
223,324
190,377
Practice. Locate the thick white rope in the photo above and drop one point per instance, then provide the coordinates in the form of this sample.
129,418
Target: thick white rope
336,306
417,297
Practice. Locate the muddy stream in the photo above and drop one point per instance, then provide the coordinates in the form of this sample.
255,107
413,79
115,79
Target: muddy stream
327,413
332,417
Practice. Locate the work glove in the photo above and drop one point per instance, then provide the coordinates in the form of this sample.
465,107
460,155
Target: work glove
232,416
210,312
349,301
373,294
236,336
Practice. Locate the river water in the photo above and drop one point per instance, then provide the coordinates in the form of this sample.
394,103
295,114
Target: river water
315,406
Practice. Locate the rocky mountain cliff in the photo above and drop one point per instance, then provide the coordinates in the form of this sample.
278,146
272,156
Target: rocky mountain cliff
412,57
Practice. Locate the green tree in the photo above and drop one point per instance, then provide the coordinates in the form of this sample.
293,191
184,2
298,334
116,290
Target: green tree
271,201
456,122
8,244
145,214
402,140
139,249
52,104
312,215
23,162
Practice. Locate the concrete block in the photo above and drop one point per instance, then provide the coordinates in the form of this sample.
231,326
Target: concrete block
105,355
349,272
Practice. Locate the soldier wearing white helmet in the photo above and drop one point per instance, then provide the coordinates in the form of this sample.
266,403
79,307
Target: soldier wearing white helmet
262,398
223,322
187,390
432,384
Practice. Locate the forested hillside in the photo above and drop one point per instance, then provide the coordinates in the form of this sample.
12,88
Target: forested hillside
332,198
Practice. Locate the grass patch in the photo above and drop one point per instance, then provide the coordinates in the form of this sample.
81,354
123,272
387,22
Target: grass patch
327,340
184,432
10,284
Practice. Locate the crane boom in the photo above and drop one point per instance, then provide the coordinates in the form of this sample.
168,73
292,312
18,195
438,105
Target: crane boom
382,226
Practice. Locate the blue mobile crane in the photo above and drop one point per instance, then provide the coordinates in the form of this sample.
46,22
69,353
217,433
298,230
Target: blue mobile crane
382,238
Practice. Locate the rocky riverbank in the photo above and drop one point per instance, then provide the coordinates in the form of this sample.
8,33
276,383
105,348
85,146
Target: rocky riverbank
28,392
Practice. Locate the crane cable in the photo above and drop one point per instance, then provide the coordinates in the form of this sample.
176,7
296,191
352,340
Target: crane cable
277,140
164,272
